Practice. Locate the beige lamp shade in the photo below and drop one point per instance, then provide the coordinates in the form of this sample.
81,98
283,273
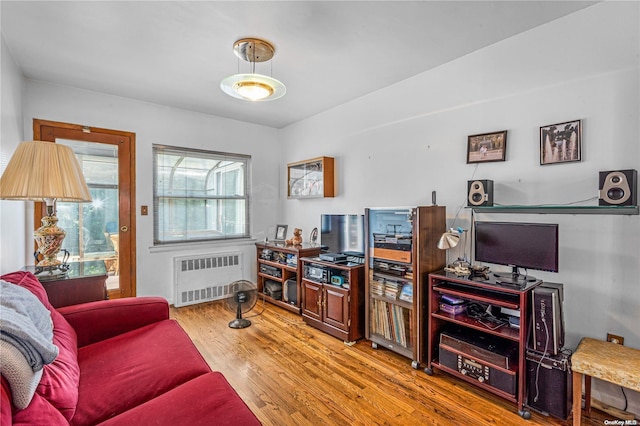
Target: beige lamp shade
49,172
44,170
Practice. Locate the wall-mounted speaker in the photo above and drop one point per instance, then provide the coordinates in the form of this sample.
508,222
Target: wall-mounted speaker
618,188
480,193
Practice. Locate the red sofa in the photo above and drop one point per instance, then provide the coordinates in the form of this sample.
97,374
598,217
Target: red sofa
122,362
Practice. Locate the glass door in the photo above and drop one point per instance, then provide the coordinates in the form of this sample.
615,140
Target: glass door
92,228
103,229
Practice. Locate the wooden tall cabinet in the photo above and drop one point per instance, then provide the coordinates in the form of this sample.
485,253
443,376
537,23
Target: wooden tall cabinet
401,252
333,297
281,265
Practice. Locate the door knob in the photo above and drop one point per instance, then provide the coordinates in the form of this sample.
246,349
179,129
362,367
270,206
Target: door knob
124,228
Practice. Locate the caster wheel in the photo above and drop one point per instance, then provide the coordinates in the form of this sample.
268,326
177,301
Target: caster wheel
374,345
415,365
428,371
525,414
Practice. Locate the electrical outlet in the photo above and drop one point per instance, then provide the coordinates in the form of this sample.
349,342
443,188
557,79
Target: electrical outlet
619,340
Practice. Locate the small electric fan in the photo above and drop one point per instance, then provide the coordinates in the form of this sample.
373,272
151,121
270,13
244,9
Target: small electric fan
244,295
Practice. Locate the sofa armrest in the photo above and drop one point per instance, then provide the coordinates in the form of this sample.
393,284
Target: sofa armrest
97,321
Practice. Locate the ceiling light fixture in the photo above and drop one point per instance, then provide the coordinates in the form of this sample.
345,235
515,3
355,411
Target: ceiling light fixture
253,87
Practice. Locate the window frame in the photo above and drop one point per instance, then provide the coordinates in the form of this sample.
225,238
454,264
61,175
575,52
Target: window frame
159,149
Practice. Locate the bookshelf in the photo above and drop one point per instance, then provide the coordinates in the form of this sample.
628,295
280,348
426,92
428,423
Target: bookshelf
400,252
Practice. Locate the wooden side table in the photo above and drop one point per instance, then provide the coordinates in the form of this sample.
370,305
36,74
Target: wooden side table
606,361
83,282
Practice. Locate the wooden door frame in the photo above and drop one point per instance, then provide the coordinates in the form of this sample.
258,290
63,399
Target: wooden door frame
45,130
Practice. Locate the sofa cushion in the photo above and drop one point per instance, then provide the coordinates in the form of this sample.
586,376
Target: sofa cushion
122,372
31,283
205,400
39,412
59,383
61,378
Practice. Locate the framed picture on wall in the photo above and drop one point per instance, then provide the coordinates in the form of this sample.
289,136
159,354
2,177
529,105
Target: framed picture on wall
561,143
487,147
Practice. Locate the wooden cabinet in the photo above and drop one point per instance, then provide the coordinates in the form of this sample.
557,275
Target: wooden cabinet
84,282
333,297
471,344
279,267
401,251
311,178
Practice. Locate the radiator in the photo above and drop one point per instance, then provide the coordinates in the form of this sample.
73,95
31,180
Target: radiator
203,278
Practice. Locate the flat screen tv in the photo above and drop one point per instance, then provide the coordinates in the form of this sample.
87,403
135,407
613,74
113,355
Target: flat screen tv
342,233
518,245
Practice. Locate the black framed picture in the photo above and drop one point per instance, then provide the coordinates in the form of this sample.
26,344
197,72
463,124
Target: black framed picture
561,143
487,147
281,232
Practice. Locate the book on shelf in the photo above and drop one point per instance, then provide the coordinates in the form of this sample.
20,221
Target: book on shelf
406,294
392,321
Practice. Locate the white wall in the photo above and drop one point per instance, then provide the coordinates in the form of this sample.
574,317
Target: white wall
15,239
396,145
154,124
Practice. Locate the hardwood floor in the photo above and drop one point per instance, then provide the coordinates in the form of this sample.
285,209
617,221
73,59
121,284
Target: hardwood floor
291,374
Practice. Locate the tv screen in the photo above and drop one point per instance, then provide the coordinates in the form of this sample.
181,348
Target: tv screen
342,233
519,245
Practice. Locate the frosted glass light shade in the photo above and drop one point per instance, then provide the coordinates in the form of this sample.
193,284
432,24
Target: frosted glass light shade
253,87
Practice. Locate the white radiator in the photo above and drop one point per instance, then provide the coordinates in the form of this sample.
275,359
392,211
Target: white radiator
206,277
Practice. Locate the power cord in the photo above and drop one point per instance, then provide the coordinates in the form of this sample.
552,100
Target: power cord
544,355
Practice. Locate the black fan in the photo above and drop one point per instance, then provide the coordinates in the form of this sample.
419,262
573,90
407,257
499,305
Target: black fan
244,295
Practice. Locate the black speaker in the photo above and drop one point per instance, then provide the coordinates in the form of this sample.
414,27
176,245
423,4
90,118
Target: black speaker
291,291
548,321
618,188
549,384
480,193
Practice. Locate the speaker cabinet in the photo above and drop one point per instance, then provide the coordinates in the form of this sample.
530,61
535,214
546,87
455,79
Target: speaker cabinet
290,290
480,193
549,384
618,188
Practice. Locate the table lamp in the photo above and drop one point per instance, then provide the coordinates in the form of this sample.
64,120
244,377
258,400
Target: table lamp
47,172
450,239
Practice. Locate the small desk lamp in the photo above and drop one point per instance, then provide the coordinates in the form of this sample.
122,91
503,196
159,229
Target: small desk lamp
45,171
450,239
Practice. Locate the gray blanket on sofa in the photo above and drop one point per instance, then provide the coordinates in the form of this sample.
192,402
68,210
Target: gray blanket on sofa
26,324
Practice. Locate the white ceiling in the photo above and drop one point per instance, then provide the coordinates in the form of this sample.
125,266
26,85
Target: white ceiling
176,53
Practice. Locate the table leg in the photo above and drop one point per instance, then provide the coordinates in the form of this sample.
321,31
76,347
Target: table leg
587,394
577,397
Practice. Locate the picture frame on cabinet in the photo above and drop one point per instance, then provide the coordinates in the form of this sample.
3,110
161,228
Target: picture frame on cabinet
487,147
281,233
561,142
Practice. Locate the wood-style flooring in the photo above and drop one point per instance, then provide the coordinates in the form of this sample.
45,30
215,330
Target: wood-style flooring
289,373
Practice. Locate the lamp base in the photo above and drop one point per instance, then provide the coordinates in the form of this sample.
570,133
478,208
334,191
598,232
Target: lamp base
49,238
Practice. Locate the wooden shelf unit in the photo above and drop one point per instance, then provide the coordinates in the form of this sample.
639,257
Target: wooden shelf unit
336,309
488,292
400,252
277,259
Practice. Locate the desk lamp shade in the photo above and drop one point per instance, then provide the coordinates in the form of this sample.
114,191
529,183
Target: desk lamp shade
448,240
45,171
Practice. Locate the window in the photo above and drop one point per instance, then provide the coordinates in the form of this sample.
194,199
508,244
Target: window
199,195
